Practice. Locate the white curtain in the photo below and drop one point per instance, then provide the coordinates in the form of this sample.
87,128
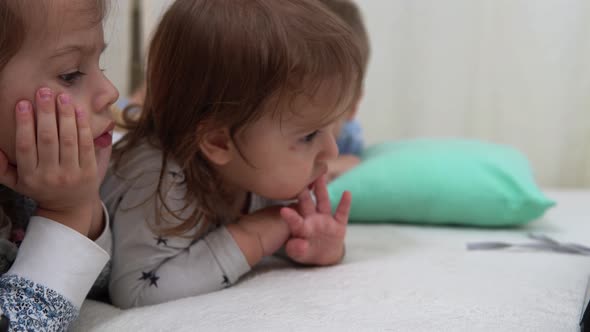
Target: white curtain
116,57
509,71
118,32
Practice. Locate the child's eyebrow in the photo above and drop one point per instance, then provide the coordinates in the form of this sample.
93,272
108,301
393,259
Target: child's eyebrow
77,48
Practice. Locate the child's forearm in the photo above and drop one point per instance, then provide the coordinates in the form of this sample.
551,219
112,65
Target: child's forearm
250,244
260,234
259,238
152,269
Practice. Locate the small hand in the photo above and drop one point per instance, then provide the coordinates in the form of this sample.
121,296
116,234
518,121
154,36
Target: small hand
56,161
317,236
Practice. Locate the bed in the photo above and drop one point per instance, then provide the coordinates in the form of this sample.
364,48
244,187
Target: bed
396,278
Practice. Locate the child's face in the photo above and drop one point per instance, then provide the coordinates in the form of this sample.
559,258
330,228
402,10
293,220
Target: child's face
61,53
285,154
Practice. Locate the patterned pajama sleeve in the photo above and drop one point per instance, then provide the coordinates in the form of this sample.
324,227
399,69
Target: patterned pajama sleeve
47,283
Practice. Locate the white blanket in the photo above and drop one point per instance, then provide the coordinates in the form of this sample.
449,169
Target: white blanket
395,278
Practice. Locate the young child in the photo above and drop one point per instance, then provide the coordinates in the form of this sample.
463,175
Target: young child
348,130
52,161
241,103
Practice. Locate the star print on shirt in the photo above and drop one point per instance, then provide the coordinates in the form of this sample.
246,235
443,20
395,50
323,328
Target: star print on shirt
160,240
151,276
175,175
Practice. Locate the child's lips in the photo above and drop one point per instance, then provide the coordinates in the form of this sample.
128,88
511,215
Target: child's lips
323,171
104,140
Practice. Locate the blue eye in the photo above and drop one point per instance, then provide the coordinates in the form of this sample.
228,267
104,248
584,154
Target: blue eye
71,78
309,138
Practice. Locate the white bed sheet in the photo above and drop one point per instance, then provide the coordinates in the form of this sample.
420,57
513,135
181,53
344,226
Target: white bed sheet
395,278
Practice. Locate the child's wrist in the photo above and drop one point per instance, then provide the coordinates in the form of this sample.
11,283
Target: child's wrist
77,219
249,243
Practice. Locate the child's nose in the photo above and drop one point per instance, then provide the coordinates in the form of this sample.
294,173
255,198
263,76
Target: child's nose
107,96
330,148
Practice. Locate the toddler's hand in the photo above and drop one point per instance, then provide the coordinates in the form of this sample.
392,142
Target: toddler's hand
260,234
56,161
317,237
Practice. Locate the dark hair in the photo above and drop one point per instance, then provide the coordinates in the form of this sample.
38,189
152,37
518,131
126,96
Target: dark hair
350,13
215,63
12,31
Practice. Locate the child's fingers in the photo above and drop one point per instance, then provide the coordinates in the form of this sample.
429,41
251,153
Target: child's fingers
85,141
26,144
343,208
7,172
294,221
68,133
322,196
298,250
306,205
47,139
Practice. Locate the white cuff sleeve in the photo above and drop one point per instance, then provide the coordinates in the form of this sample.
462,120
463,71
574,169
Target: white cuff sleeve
105,240
58,257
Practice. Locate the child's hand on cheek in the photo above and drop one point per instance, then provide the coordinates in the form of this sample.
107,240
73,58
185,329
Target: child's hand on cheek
317,236
56,161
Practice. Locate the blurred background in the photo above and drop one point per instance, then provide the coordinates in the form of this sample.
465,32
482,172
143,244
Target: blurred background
515,72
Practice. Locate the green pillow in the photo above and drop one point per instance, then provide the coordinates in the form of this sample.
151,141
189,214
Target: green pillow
459,182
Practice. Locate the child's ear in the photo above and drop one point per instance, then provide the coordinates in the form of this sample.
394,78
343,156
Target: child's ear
217,146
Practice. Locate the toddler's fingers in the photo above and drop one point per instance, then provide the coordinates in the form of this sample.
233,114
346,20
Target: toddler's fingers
47,139
306,205
322,196
26,145
343,209
68,133
85,142
7,172
294,221
298,250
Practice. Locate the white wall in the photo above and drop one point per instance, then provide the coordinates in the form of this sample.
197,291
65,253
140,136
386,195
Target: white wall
509,71
117,35
116,58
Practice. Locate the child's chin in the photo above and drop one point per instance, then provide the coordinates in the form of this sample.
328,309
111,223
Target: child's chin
282,196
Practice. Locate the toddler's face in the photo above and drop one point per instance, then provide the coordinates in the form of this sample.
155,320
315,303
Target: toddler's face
286,154
62,53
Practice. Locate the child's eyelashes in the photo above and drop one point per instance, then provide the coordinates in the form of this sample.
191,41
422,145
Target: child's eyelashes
310,137
71,78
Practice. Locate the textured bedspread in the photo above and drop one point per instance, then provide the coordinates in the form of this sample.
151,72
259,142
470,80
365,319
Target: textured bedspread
395,278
